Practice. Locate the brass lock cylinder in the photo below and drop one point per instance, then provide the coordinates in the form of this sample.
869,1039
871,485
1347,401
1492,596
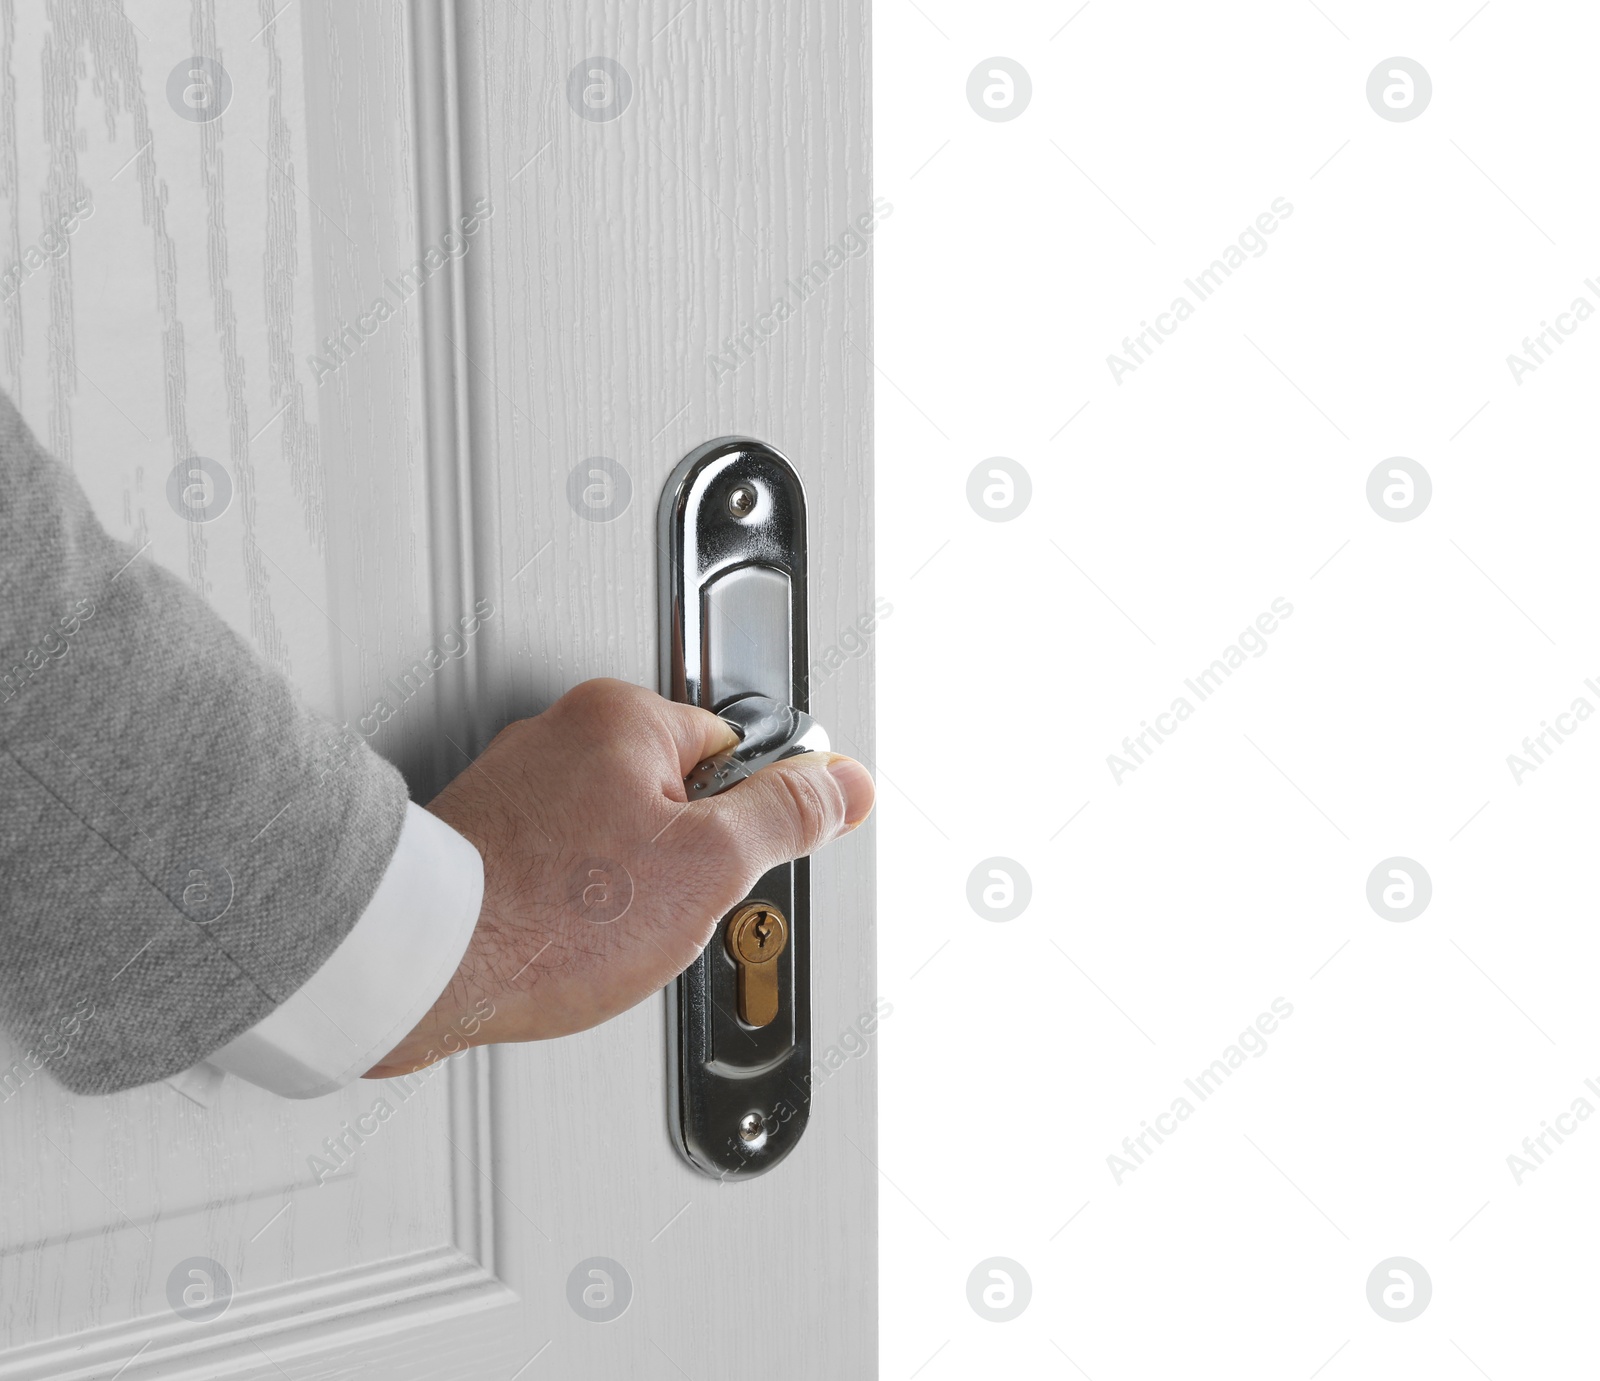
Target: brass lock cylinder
756,936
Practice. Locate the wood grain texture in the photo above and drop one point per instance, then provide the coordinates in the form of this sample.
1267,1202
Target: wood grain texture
182,316
621,255
374,502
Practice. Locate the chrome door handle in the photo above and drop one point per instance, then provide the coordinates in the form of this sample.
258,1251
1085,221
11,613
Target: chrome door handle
733,641
769,731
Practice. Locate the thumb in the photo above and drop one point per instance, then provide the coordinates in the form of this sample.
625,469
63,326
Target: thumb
794,807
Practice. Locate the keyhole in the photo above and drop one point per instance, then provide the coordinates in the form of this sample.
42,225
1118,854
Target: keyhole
756,937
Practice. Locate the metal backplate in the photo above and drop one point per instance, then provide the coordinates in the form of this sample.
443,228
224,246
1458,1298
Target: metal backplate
733,622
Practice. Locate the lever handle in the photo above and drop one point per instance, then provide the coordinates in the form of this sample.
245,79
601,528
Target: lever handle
734,613
769,731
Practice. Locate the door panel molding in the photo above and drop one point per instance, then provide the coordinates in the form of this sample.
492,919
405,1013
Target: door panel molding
299,1318
583,320
180,319
432,1286
447,364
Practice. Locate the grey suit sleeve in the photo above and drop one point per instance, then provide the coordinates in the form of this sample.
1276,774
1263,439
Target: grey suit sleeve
182,845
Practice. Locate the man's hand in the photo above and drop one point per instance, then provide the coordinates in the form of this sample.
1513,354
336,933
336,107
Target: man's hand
601,882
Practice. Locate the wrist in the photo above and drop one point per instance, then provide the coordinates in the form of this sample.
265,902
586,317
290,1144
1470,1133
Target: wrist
455,1020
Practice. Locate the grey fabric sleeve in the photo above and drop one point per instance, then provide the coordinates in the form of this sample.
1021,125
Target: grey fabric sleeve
182,844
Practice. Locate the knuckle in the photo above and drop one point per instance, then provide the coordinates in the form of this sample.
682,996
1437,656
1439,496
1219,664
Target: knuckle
607,710
593,696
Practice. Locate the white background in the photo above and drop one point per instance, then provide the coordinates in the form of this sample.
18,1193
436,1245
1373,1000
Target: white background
1230,869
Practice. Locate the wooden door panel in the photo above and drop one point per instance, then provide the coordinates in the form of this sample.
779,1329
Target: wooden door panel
624,254
382,489
185,312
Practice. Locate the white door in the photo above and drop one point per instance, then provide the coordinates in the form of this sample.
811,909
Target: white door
599,235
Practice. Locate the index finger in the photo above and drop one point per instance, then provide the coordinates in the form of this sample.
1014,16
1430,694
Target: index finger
698,734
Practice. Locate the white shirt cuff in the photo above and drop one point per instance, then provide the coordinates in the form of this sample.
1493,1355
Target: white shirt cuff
381,981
